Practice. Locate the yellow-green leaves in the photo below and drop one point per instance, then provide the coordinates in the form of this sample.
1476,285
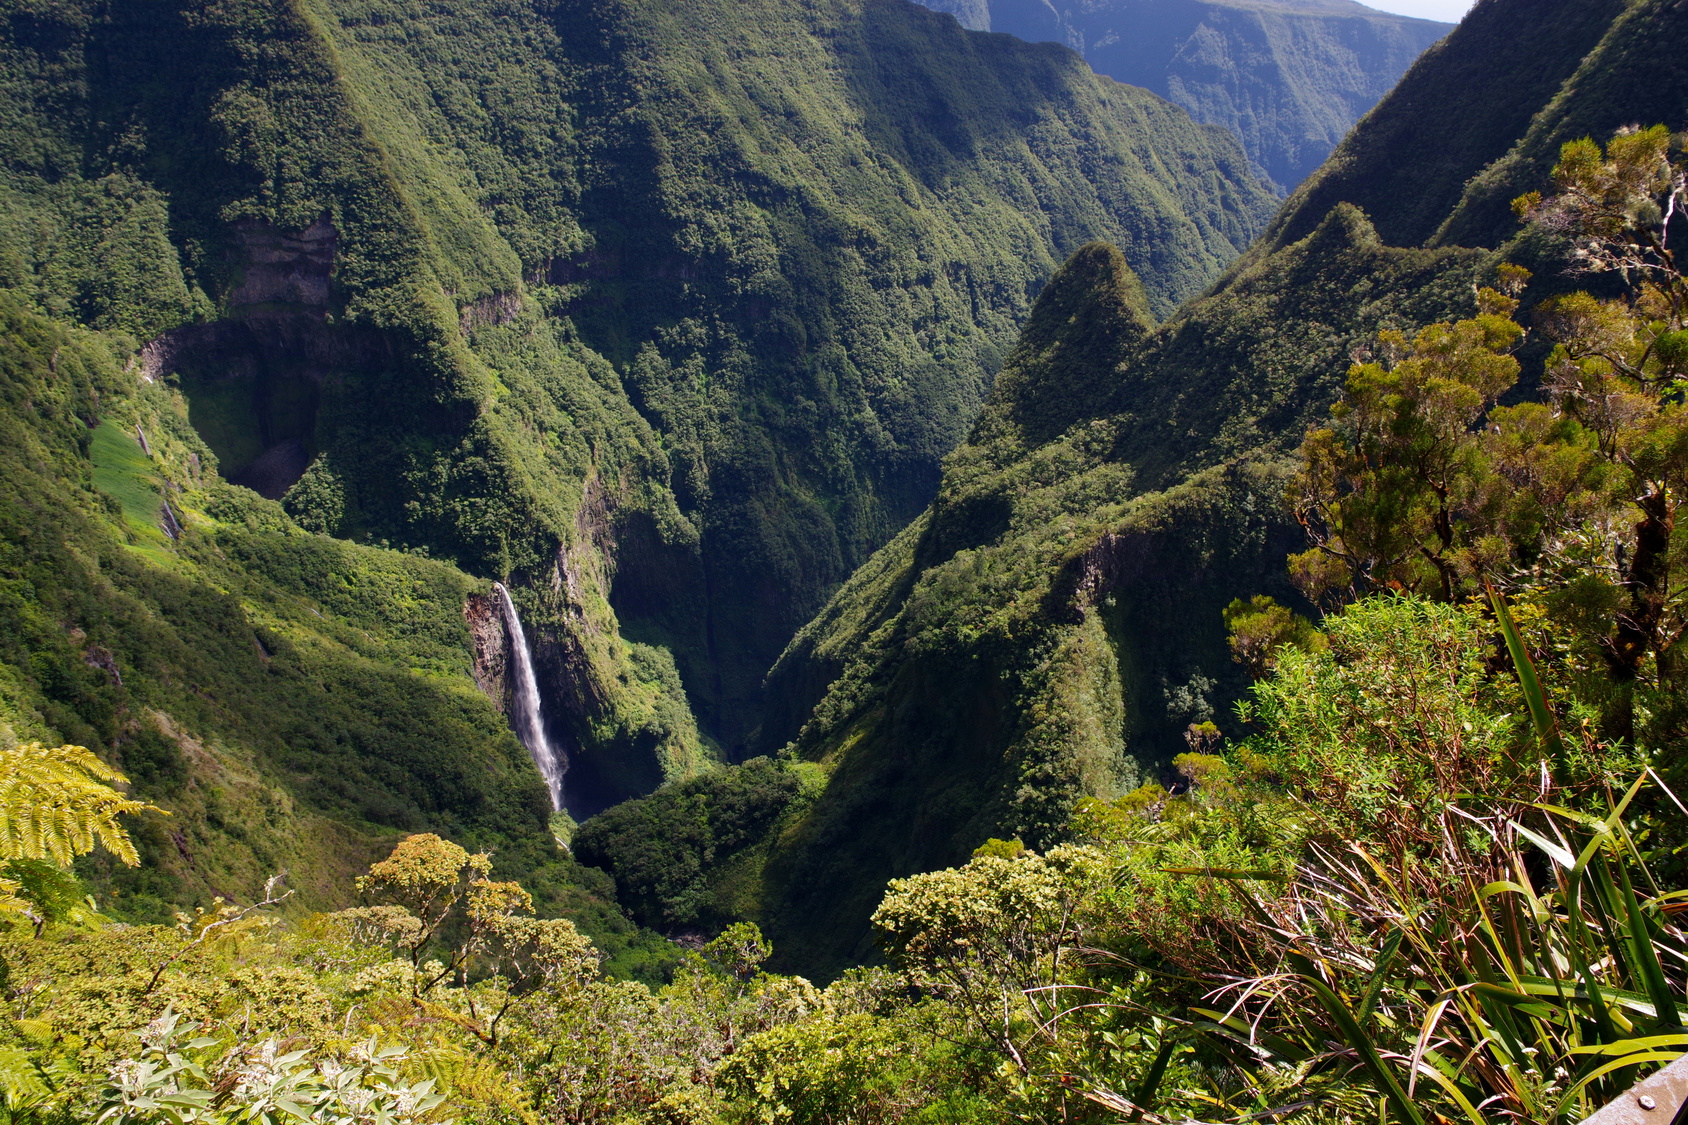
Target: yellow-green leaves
426,875
1259,626
1386,492
1610,201
55,804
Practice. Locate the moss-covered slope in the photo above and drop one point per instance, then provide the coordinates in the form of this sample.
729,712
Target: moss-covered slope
1052,624
664,311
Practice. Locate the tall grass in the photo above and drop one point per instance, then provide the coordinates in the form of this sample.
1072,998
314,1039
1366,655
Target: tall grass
1526,968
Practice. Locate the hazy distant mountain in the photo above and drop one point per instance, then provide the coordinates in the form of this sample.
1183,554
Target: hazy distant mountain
1290,77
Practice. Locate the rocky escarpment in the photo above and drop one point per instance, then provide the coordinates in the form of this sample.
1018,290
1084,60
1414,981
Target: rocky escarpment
489,647
255,376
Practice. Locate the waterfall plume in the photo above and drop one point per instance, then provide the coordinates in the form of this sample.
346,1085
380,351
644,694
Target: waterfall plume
524,697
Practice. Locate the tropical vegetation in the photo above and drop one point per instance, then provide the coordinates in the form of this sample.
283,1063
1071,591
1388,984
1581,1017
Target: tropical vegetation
1259,696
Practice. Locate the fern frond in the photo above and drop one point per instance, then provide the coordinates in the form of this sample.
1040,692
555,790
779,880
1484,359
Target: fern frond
12,903
54,804
22,1085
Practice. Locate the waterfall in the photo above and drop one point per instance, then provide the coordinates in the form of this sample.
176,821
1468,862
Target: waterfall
524,692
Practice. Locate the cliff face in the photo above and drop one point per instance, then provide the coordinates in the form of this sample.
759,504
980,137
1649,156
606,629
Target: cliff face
1288,77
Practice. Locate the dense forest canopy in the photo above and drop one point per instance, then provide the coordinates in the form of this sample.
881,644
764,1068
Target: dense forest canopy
1022,633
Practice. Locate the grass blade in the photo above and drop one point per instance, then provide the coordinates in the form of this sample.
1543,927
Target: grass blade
1357,1038
1547,728
1152,1080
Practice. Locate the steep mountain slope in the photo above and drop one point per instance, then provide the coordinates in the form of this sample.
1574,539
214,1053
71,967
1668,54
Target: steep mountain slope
889,217
1289,77
1458,110
1636,75
1052,624
294,702
665,312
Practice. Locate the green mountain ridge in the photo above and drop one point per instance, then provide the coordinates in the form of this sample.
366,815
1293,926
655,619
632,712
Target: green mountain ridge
662,313
1051,625
1055,625
1288,77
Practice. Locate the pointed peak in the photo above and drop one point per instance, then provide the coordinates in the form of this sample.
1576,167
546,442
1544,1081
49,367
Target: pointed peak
1345,228
1088,318
1094,285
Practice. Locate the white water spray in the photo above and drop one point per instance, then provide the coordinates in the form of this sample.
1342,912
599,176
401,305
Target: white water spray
524,693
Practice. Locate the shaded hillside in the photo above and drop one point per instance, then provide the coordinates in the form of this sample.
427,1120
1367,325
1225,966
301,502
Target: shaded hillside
1289,77
1052,624
1458,110
1637,75
891,215
295,702
664,312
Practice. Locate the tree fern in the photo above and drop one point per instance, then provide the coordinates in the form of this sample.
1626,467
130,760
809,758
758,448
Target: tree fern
55,805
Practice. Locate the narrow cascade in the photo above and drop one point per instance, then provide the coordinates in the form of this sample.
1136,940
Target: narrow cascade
530,727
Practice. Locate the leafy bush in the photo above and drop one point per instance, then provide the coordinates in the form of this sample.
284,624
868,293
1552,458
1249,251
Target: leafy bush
663,850
443,999
188,1083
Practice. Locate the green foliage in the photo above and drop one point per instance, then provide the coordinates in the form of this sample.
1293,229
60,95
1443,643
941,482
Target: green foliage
1365,720
1382,866
851,1066
317,500
241,1015
168,1084
1260,626
1380,818
1425,484
992,938
291,700
1381,496
667,851
55,804
1002,849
